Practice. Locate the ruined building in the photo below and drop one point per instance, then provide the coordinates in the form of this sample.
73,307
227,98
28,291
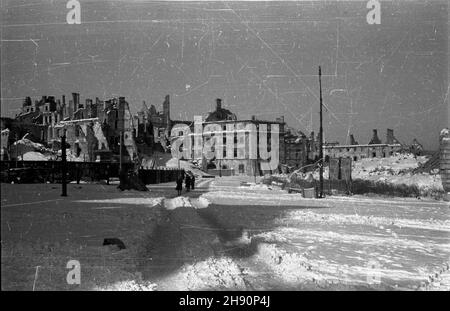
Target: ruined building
374,149
296,148
236,147
93,129
153,128
220,114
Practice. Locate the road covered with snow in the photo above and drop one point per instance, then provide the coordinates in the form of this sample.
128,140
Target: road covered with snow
229,233
257,237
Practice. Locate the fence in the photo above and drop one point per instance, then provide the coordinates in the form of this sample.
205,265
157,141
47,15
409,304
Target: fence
161,175
329,186
50,171
221,172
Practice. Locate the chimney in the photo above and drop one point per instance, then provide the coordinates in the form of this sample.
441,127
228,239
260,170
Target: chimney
27,101
218,104
105,105
352,140
166,108
389,136
70,109
375,139
253,118
76,101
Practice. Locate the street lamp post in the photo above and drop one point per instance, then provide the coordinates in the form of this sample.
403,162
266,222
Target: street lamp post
63,165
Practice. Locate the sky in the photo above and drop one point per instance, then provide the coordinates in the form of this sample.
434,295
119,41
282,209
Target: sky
261,58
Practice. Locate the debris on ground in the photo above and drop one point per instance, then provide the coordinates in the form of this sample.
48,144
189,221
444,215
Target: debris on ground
114,241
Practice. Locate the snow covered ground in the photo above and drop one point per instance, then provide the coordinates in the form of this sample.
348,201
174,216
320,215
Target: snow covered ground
186,165
229,233
339,242
395,170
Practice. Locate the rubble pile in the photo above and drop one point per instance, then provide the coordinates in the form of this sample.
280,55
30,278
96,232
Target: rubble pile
430,166
401,169
25,149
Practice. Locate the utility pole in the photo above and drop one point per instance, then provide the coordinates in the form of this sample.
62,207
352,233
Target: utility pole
63,165
255,168
321,138
120,152
17,149
21,154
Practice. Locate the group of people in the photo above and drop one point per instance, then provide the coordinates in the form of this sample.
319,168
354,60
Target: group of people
189,181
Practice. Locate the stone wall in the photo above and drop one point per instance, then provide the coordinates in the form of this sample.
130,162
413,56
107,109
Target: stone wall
357,152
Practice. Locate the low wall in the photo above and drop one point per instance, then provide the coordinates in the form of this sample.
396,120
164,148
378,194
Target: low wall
50,171
222,172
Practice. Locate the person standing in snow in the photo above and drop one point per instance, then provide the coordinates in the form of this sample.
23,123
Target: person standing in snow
193,181
188,182
179,186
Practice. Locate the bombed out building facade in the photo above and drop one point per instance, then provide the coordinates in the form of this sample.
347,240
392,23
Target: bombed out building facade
94,129
374,149
240,146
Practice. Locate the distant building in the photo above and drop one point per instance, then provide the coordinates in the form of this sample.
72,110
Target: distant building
94,128
94,131
235,160
220,114
375,148
296,148
153,128
14,129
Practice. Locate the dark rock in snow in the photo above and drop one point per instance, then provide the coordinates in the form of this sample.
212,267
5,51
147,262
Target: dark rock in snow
114,241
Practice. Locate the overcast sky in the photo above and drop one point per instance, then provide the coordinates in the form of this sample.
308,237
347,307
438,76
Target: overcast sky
261,58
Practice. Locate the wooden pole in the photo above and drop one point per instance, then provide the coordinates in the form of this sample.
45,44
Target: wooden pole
63,165
321,138
17,149
255,168
120,151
